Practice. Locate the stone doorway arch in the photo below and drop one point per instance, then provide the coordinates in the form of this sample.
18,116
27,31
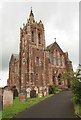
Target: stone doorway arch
59,79
53,79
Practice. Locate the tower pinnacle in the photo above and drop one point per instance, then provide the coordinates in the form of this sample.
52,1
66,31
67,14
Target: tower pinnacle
31,12
31,16
55,39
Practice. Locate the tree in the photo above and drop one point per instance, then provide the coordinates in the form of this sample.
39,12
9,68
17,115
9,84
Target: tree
74,79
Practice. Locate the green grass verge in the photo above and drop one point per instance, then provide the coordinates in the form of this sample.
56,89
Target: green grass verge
77,108
18,106
0,115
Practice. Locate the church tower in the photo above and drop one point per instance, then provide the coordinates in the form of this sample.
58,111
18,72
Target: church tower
36,64
32,45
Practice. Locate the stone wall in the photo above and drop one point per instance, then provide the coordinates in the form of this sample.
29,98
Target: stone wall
36,64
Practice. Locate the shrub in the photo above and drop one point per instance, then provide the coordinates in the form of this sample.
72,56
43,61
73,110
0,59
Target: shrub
72,77
76,89
53,89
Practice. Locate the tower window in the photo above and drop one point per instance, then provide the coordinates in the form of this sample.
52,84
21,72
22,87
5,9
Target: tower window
32,36
37,60
31,77
39,38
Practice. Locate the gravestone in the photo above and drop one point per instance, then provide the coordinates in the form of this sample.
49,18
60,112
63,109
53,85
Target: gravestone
28,92
36,89
32,93
40,94
40,88
23,95
1,91
45,92
7,98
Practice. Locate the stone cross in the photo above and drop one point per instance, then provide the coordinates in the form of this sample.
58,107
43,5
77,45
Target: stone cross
55,39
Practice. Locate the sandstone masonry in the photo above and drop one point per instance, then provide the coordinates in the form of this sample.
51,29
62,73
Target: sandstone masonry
36,64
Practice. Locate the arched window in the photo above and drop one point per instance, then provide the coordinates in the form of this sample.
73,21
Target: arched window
39,38
31,77
60,60
37,60
56,58
51,59
32,36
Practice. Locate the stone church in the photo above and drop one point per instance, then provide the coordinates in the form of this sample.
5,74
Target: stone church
36,64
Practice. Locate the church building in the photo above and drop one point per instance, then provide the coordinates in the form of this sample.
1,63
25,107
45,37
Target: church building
37,64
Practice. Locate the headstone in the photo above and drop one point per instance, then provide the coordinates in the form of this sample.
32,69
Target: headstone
7,98
32,93
40,88
36,89
22,97
40,94
1,91
28,92
45,92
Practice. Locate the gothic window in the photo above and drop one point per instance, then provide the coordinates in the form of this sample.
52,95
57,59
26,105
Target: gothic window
60,60
32,36
51,59
31,77
39,38
37,60
56,58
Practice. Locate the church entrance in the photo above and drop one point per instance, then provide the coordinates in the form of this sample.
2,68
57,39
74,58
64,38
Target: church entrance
53,80
59,79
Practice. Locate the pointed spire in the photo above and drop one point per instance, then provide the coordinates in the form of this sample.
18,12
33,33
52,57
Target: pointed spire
31,17
40,22
31,12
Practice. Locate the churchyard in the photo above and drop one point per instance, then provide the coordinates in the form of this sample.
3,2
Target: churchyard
14,103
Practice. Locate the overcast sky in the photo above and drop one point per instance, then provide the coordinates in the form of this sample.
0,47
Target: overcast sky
61,21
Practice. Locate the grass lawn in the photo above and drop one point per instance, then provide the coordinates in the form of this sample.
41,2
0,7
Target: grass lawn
18,106
0,115
77,109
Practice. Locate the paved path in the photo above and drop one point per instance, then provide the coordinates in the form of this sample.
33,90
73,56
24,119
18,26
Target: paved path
58,106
